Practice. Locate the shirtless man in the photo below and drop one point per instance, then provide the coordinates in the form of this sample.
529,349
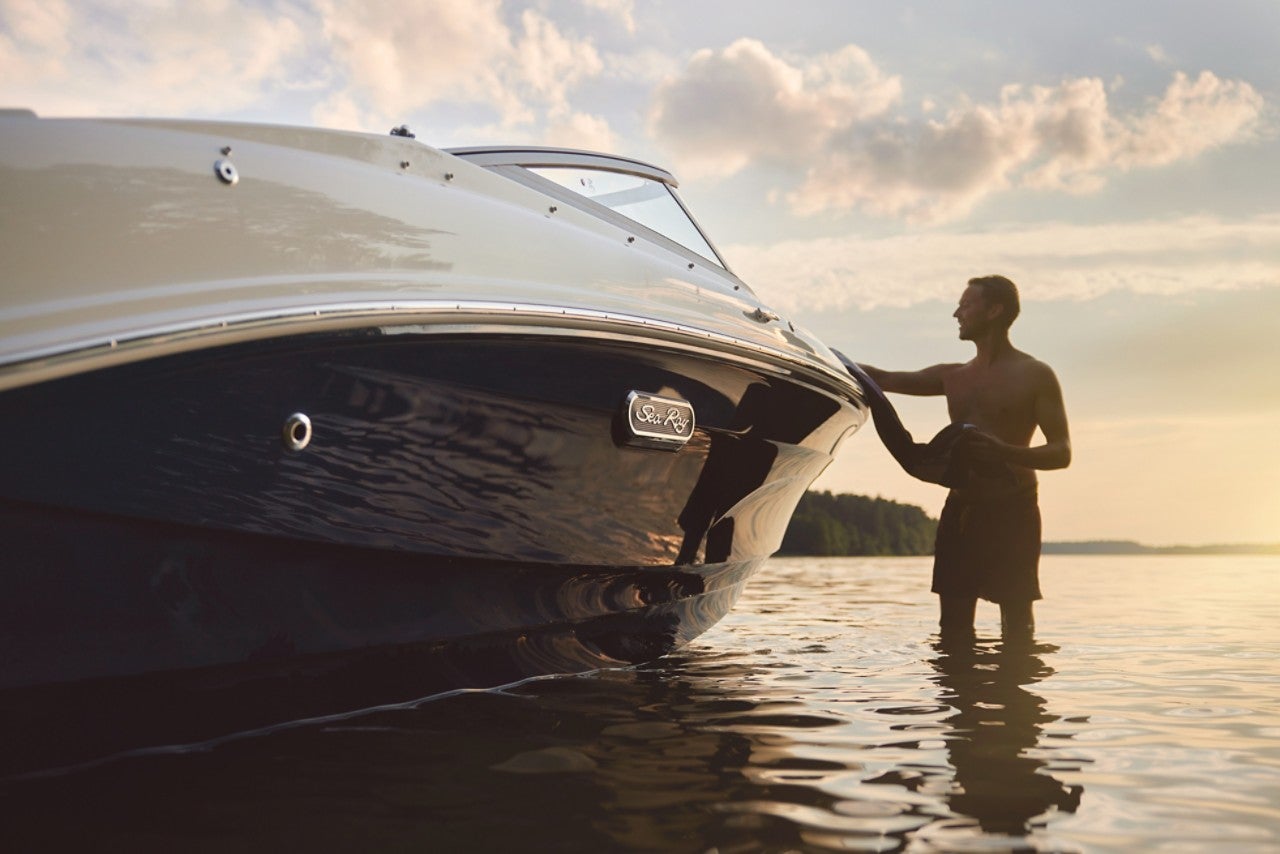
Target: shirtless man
988,543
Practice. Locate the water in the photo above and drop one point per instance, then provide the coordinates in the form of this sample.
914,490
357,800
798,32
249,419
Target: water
820,715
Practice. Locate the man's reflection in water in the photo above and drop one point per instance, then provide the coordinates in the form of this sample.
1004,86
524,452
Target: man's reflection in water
997,722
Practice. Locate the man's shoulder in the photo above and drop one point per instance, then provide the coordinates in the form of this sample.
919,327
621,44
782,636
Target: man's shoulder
1035,370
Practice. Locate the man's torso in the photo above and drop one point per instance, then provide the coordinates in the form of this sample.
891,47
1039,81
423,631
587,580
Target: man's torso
1000,399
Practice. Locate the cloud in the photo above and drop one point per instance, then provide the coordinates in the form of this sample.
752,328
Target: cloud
548,63
744,104
368,66
37,28
1050,262
623,10
158,58
580,130
399,59
1192,117
836,124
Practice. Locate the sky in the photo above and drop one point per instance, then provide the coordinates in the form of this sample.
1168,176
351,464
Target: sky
856,163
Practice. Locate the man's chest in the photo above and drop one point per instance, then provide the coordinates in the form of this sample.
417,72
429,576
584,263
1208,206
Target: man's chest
992,398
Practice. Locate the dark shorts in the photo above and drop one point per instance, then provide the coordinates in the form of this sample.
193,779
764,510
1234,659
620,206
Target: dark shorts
989,549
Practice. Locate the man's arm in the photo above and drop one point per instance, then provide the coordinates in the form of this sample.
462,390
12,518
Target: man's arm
1051,417
924,382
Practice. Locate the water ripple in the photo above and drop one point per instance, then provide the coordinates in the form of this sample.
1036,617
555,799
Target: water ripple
822,714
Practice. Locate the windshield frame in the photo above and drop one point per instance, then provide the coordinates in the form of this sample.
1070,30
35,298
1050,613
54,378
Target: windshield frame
516,163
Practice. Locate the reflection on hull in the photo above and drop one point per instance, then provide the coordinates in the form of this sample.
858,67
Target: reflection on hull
155,597
308,636
452,446
464,514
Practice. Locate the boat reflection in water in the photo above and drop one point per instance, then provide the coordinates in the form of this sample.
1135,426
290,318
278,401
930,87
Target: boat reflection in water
297,421
750,750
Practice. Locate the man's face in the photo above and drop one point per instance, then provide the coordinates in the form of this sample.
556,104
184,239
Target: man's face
974,314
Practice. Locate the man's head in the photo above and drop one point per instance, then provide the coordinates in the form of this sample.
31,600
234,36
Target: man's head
987,301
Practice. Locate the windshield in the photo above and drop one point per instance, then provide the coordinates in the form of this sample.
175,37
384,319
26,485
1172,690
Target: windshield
648,202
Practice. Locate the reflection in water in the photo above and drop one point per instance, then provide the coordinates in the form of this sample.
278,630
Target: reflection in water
817,717
697,752
651,759
996,725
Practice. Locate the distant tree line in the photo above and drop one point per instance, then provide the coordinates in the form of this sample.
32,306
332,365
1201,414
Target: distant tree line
1129,547
831,525
827,524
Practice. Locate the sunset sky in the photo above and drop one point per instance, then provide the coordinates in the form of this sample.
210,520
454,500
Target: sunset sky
855,162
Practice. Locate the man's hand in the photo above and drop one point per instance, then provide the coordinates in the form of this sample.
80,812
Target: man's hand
982,447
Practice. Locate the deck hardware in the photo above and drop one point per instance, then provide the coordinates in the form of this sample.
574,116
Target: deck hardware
762,316
553,209
448,176
404,131
296,432
404,164
226,170
631,240
690,265
226,151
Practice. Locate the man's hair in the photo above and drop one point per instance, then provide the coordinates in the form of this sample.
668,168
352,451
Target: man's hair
1002,292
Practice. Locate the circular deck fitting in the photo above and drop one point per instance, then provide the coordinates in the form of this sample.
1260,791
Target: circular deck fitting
296,432
226,170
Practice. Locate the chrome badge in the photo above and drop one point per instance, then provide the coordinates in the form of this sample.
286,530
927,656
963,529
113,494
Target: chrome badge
658,422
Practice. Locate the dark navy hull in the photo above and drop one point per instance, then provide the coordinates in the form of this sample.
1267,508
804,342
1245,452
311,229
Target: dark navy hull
467,513
300,629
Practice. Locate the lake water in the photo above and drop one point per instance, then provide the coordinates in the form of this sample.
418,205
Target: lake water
821,714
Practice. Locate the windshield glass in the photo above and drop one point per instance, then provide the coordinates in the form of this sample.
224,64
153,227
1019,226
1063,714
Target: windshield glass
644,200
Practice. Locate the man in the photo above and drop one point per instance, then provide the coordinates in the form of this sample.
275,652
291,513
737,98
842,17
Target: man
988,543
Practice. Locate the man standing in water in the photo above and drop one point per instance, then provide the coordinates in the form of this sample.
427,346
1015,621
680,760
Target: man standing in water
988,543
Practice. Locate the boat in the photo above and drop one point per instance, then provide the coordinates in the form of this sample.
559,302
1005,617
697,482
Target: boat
295,421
